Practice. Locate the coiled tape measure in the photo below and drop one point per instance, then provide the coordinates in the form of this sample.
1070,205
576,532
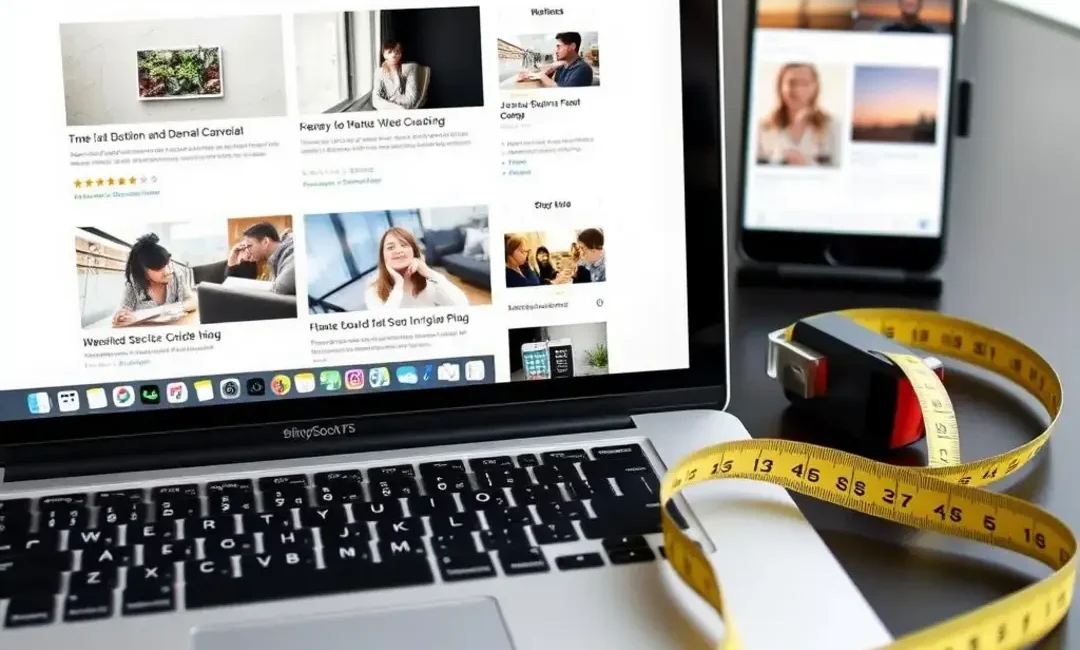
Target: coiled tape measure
857,365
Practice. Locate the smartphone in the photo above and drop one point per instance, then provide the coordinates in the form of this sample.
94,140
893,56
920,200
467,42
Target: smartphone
561,352
847,138
535,360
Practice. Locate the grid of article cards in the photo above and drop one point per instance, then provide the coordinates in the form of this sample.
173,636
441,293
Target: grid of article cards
284,205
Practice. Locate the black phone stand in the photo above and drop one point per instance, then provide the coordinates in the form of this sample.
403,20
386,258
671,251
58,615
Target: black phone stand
839,278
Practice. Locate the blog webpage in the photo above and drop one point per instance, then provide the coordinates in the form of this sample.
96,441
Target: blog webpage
223,204
848,116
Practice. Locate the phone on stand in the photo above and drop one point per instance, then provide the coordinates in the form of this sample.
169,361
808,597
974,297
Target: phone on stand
847,141
562,358
535,360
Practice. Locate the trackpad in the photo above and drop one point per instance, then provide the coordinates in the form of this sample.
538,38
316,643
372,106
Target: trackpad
468,625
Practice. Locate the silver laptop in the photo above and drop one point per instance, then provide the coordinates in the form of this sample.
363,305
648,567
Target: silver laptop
461,500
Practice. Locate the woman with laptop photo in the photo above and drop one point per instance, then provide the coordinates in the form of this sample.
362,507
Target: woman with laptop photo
150,282
403,278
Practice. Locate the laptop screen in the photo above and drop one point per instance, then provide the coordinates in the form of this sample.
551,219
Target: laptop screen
223,203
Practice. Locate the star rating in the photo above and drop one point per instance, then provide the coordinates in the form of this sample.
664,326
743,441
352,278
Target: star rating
110,181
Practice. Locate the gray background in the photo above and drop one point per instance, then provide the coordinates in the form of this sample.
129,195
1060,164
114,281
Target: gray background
1011,263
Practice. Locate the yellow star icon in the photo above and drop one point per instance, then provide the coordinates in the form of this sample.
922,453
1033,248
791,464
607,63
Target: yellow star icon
112,182
131,181
121,181
100,182
88,182
78,183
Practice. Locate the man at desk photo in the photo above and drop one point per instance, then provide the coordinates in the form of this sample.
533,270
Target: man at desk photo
262,243
569,69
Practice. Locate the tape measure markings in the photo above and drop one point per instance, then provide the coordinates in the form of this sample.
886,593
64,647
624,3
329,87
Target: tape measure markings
945,497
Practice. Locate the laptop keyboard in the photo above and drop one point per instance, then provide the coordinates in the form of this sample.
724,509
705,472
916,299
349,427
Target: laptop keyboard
78,557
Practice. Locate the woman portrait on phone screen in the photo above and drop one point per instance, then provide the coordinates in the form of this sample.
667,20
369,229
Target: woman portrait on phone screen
797,131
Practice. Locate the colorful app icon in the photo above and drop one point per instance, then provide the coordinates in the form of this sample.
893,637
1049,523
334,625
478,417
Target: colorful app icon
96,398
123,396
256,387
354,379
280,385
406,375
428,371
229,388
379,377
68,401
330,380
176,392
39,403
204,390
305,382
150,394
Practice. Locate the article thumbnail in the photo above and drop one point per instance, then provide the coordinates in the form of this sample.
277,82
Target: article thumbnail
905,16
797,109
554,257
398,259
388,60
561,60
127,72
895,105
185,273
892,16
558,351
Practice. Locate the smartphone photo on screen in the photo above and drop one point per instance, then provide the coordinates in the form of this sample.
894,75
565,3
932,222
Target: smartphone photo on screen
848,132
535,360
562,358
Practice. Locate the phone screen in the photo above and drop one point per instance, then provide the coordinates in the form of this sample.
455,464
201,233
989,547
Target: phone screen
562,358
535,361
847,116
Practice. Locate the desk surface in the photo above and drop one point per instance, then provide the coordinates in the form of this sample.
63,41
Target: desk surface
1012,263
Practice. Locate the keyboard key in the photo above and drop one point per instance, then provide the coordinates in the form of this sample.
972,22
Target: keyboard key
92,578
564,511
15,506
216,547
395,487
30,609
484,499
500,538
377,510
268,483
517,561
357,533
92,538
442,468
121,513
492,462
503,478
630,452
62,502
220,525
267,522
448,524
119,497
149,577
564,456
631,555
400,528
527,460
88,605
134,602
152,533
455,567
618,543
379,473
554,532
46,540
426,506
279,542
579,561
392,549
231,486
322,517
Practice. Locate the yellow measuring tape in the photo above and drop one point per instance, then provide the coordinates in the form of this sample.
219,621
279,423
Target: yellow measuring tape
945,497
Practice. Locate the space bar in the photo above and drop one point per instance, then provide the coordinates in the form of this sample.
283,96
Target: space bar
219,591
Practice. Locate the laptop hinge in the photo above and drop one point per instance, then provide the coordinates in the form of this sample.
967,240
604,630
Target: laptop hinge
216,446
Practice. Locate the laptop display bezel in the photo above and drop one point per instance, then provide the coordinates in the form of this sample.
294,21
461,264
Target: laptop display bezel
703,383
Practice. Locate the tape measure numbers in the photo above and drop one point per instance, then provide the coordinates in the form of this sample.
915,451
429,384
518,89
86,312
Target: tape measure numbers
945,497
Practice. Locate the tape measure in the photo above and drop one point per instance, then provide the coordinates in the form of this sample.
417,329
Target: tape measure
945,497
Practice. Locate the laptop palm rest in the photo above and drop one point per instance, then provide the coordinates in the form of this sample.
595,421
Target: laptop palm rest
465,625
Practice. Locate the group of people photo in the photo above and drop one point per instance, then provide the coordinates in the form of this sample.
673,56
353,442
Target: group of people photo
536,259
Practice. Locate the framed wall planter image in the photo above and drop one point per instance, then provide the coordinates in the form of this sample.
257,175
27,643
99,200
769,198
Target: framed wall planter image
180,73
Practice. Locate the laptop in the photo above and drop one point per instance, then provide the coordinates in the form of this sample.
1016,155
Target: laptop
492,485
